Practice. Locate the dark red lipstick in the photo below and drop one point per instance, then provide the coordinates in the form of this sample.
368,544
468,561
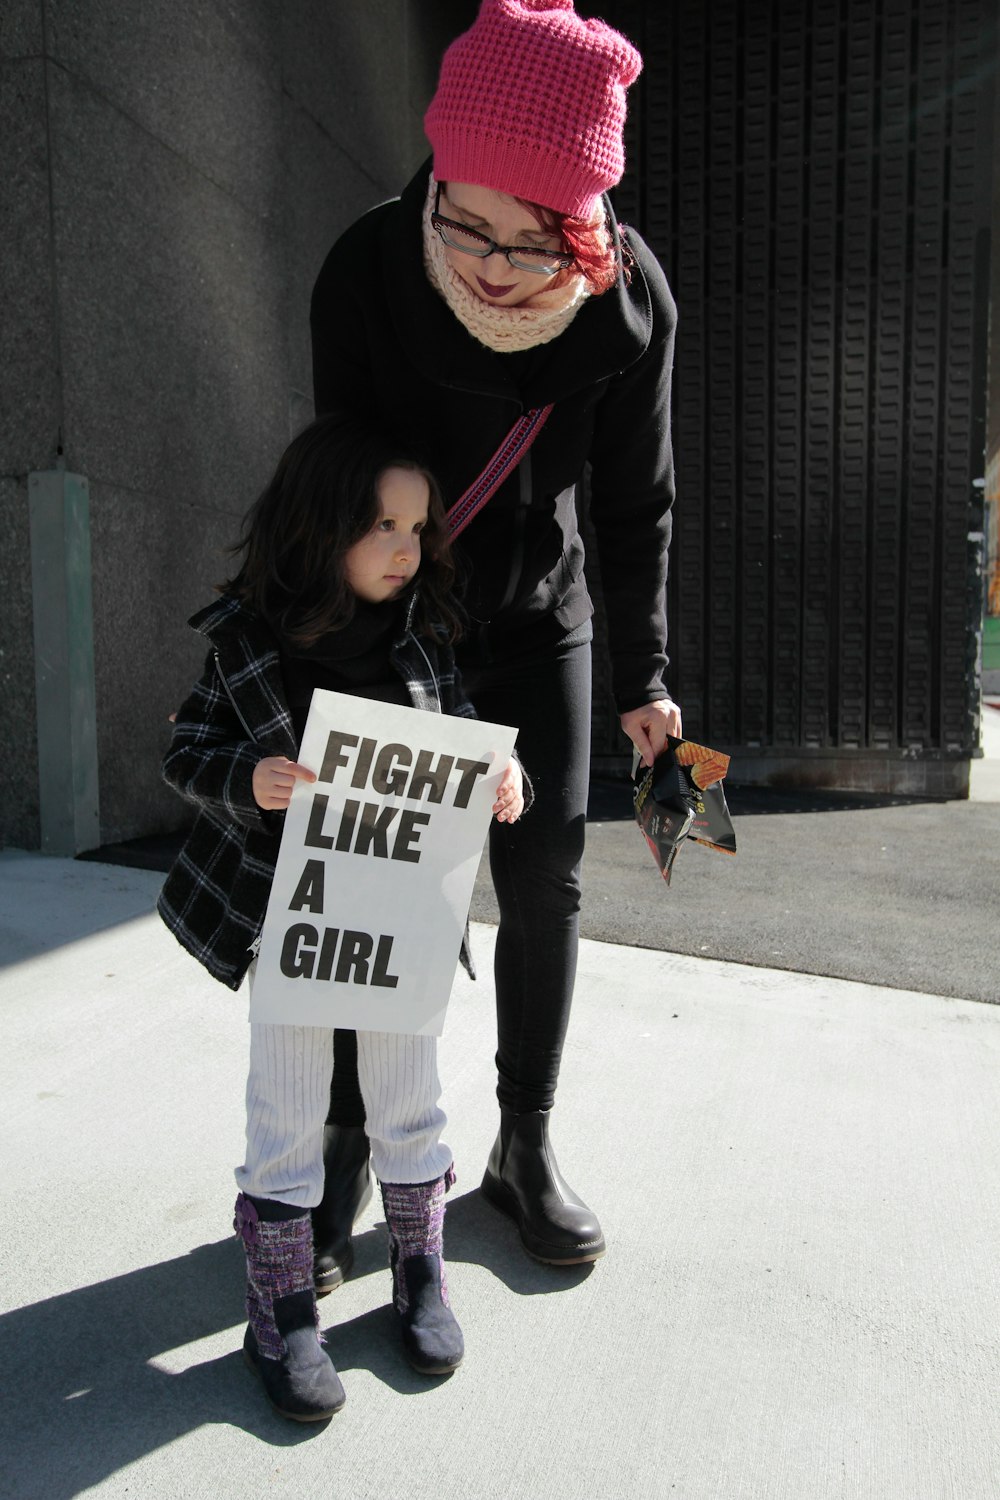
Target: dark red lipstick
495,291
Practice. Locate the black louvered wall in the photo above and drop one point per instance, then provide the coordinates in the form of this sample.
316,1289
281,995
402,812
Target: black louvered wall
814,175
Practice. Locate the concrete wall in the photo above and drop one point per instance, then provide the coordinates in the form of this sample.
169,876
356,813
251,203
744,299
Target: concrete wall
172,177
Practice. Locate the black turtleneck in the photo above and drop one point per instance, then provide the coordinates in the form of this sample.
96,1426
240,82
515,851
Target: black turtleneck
354,659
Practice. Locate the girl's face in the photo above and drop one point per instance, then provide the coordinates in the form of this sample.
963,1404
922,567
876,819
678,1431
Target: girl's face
506,222
385,560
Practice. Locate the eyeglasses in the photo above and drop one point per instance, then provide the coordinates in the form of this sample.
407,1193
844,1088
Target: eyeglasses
521,257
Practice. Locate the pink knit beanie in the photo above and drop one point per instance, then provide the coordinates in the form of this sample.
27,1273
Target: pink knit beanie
531,102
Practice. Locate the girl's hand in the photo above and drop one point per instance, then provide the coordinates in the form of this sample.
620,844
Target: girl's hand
273,780
510,795
647,727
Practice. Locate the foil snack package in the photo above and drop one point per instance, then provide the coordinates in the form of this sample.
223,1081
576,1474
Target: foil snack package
680,797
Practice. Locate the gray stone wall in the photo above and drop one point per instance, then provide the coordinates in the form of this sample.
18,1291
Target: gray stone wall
172,175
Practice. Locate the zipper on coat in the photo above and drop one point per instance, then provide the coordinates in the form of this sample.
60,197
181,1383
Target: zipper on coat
229,694
430,671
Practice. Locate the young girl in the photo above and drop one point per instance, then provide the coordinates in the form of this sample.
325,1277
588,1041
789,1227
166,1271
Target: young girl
327,596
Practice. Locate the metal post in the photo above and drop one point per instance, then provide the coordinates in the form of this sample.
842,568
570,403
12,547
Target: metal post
59,506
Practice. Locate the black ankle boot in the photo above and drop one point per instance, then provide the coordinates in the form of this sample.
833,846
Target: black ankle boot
523,1180
347,1190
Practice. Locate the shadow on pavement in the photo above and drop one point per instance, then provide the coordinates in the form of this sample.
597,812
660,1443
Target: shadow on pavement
48,903
156,851
91,1388
479,1235
89,1397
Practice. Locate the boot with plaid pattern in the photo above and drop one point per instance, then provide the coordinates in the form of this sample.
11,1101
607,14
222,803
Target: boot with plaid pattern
414,1213
282,1344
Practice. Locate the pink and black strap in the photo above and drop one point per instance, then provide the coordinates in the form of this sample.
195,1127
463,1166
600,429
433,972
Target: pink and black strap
504,461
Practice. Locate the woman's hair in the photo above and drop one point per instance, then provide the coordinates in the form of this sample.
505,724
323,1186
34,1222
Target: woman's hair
322,500
589,243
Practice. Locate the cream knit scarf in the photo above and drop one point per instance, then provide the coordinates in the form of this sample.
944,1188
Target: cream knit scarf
503,329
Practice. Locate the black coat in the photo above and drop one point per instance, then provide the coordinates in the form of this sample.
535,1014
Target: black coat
215,896
387,348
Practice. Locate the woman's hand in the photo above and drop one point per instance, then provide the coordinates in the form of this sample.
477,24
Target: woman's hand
274,779
510,795
647,727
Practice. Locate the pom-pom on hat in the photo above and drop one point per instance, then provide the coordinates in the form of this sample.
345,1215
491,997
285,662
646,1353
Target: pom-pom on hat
531,102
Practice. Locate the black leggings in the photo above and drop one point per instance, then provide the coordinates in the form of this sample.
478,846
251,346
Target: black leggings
535,864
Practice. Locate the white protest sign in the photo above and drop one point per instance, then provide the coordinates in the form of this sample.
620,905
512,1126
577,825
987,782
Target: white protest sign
377,863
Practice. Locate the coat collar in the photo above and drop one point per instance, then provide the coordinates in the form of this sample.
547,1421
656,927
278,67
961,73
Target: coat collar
608,334
227,616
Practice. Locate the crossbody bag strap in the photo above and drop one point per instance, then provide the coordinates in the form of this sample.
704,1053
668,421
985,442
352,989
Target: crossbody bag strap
507,457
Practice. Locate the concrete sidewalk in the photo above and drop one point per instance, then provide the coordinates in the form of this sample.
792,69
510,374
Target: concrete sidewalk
799,1179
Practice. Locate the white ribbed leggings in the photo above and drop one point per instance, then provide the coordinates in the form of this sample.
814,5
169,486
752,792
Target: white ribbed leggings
288,1096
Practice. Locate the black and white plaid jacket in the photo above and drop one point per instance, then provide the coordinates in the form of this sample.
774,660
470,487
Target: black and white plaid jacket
215,896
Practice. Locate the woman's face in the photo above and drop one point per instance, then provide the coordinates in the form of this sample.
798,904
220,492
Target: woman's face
506,221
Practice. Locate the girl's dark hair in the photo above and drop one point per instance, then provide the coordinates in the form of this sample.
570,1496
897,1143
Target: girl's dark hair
322,500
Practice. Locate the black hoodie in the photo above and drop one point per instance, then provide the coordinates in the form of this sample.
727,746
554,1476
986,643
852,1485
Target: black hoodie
388,350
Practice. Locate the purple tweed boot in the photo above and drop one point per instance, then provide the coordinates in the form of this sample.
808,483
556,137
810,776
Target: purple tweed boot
414,1213
282,1344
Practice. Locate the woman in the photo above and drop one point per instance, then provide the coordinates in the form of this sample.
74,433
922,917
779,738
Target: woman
499,283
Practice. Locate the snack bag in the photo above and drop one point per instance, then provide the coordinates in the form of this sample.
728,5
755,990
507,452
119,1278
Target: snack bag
680,796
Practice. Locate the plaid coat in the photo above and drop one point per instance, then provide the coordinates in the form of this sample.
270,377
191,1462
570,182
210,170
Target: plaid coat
215,896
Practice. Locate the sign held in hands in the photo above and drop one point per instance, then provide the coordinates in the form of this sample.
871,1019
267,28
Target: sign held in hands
377,863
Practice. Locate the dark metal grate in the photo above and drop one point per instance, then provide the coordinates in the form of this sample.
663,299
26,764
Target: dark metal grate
814,175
